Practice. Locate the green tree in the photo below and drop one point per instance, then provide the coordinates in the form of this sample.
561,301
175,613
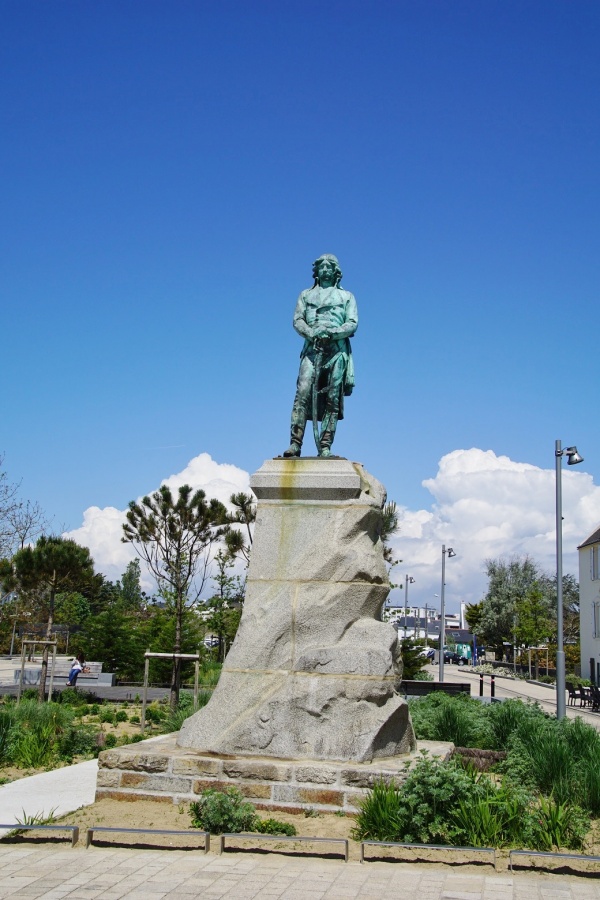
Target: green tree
226,604
534,617
54,565
132,595
239,540
174,537
473,614
509,583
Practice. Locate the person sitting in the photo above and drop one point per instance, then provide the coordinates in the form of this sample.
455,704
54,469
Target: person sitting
78,666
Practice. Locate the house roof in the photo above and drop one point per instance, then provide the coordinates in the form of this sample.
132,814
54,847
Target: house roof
594,538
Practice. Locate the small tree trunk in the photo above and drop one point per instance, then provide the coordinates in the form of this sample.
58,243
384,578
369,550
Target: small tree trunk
176,671
44,671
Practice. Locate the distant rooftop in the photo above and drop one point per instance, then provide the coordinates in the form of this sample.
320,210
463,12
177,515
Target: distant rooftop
593,539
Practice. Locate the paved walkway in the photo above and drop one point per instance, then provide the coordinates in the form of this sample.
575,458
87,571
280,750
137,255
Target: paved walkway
111,874
516,689
62,790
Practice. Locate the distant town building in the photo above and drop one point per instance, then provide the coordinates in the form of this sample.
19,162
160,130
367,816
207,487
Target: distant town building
589,606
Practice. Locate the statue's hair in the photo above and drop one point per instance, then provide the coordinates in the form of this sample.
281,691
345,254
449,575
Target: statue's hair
333,259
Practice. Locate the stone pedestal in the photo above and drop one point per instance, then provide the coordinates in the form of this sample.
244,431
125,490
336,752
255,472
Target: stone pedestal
312,672
158,770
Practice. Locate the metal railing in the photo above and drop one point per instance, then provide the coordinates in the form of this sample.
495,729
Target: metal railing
577,856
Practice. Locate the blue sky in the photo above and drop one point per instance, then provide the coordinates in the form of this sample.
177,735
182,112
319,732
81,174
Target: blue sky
170,171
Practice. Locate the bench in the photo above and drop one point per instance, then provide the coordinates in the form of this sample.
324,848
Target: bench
31,676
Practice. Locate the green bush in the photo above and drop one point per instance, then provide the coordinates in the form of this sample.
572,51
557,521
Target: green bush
223,811
110,740
440,717
154,714
121,716
107,715
274,826
134,720
556,826
175,719
419,811
80,741
136,738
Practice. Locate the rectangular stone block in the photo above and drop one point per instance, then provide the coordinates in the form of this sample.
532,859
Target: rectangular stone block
139,762
262,791
353,800
108,778
321,796
191,766
316,775
366,779
162,784
131,796
256,770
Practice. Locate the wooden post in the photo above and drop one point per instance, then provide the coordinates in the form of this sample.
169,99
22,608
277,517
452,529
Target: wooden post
145,697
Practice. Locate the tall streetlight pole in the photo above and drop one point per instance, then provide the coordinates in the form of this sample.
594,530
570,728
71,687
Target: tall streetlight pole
407,580
450,553
573,458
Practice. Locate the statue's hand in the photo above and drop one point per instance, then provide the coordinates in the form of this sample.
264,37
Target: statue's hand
321,334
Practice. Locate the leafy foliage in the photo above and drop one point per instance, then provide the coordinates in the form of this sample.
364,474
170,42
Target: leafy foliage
274,826
223,811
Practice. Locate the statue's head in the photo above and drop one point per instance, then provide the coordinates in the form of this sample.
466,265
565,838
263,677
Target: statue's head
330,261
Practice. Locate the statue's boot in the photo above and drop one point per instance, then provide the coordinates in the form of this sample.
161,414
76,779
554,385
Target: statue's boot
297,435
329,434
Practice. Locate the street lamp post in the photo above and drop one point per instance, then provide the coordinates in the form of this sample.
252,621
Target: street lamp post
450,553
573,458
407,580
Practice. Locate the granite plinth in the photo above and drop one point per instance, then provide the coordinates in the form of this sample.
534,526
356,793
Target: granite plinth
160,770
312,673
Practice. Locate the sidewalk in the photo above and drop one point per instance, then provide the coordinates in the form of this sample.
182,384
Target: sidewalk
509,688
109,874
62,790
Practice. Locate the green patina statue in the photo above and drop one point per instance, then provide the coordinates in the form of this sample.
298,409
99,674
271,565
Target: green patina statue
326,317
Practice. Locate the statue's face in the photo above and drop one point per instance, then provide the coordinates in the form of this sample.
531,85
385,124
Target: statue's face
326,272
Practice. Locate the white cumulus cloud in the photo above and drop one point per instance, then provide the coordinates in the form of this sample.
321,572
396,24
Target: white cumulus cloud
482,505
486,506
102,529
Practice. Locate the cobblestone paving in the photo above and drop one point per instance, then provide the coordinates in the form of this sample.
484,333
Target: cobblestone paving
110,874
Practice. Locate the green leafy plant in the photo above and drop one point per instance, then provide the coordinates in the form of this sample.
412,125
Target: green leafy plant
558,826
419,810
110,740
223,811
39,818
121,716
274,826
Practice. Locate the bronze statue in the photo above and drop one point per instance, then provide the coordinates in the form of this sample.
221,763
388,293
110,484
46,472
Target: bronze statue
326,317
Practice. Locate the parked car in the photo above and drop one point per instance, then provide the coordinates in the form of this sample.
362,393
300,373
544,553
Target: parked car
429,652
451,657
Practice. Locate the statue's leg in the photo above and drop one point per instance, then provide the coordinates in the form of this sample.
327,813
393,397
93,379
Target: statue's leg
332,407
300,407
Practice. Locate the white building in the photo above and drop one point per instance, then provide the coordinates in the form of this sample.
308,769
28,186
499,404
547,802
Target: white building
589,606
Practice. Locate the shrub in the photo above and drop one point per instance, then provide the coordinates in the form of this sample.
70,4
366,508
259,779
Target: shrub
135,720
136,738
556,826
439,717
80,741
223,811
175,719
107,715
110,740
121,716
274,826
154,714
419,811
